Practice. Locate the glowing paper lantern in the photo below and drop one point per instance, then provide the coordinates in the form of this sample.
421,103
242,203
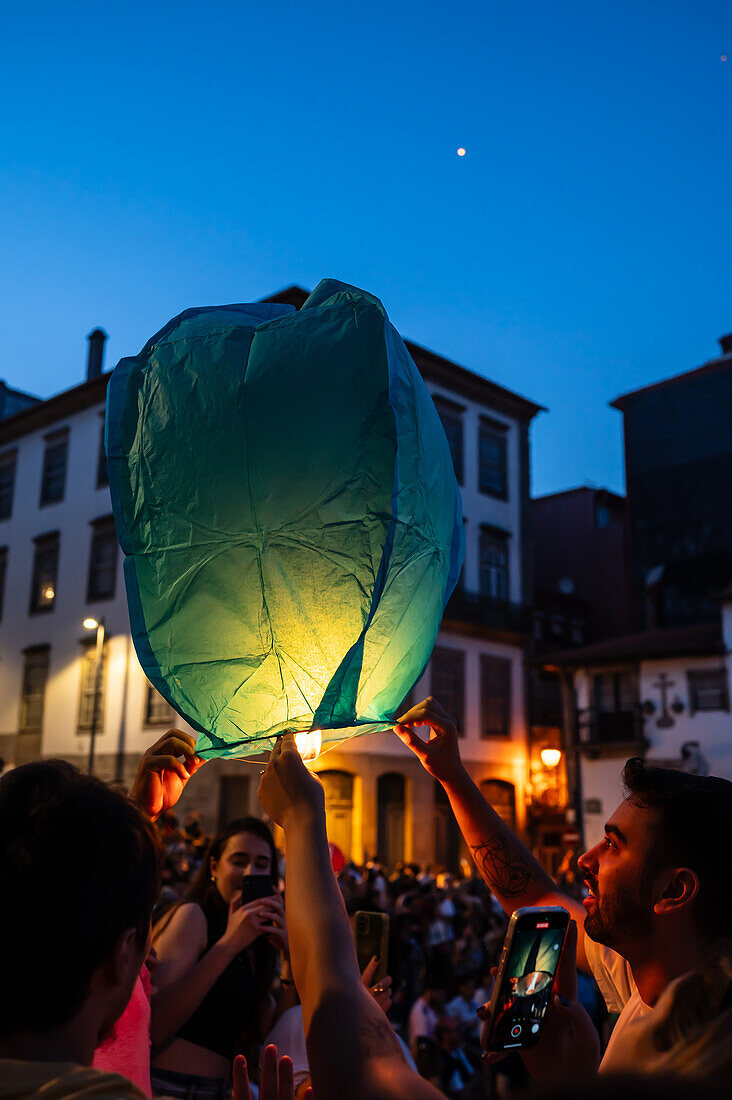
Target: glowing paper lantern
284,495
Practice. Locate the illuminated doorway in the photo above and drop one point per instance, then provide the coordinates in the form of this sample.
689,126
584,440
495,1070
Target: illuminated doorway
339,808
390,797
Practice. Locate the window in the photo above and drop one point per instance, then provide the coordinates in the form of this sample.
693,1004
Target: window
495,692
233,798
615,696
53,481
33,691
501,795
447,672
102,472
452,422
602,515
708,690
493,458
90,689
494,564
7,484
102,560
578,631
3,571
556,625
158,711
45,569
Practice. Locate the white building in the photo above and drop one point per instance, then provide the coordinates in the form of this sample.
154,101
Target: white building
661,694
60,563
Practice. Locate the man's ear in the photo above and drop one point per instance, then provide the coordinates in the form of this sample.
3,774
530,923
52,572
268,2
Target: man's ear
679,887
125,956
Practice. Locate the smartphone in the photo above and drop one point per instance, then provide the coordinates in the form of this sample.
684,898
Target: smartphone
254,887
525,980
371,932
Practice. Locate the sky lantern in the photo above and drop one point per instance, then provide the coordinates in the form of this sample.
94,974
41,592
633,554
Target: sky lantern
292,528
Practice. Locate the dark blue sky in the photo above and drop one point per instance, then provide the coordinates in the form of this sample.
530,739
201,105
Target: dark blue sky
159,156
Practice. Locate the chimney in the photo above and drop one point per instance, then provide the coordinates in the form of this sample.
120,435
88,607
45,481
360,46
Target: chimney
96,353
725,343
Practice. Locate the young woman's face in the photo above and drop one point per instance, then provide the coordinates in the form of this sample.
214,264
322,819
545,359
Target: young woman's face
243,854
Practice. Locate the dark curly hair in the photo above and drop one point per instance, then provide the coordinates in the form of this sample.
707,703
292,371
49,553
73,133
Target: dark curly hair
695,831
79,865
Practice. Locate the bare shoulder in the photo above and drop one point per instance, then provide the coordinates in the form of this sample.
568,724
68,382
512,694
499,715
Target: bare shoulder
186,925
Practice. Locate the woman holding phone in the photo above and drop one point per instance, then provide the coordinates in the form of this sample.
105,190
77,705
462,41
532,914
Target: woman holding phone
220,950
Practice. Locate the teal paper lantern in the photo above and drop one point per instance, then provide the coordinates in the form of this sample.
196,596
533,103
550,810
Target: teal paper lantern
292,528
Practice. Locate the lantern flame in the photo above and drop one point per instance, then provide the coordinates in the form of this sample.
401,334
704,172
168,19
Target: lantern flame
308,744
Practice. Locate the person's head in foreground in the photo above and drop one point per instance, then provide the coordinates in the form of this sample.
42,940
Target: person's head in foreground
79,875
662,868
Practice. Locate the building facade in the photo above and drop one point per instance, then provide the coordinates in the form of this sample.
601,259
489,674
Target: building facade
661,694
678,465
661,688
60,564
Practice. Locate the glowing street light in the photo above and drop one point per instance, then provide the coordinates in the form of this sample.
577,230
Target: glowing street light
550,757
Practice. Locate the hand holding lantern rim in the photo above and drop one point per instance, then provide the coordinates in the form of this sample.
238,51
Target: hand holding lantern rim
162,775
287,788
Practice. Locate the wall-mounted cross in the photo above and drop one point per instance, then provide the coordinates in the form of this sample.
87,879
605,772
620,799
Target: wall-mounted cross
664,685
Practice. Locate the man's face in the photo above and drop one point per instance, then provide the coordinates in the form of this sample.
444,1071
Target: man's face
618,872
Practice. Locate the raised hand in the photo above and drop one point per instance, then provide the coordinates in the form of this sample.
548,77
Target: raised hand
277,1080
246,923
287,789
381,992
569,1043
440,755
162,774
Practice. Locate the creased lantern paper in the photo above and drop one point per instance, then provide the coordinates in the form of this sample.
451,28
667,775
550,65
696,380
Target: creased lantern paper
284,495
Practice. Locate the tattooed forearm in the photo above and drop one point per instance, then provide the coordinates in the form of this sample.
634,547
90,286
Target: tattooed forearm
376,1037
508,873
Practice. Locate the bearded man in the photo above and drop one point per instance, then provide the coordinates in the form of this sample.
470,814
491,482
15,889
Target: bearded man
660,894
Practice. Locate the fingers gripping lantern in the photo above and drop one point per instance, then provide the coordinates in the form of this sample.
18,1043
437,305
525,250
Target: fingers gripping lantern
292,528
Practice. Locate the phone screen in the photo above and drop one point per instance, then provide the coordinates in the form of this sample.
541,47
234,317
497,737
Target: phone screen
527,978
371,932
254,887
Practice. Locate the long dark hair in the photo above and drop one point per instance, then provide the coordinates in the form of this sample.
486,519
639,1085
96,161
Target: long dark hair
201,886
203,892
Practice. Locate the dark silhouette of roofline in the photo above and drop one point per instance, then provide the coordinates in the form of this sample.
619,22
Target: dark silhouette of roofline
711,367
699,639
435,367
582,489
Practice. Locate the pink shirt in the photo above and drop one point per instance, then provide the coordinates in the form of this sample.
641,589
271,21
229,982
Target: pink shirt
127,1051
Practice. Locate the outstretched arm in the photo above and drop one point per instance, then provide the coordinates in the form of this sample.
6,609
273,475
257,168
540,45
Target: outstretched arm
352,1048
505,863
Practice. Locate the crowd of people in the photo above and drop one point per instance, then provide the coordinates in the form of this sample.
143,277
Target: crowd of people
142,958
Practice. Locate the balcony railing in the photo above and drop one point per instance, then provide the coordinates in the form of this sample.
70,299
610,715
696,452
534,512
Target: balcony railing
597,728
480,610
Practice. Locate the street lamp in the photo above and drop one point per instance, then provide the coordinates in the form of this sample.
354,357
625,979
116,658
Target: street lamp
550,757
98,625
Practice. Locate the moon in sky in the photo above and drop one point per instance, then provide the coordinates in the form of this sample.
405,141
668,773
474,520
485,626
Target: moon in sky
461,152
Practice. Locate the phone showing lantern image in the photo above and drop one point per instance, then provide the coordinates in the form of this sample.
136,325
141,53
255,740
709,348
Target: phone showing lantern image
371,932
523,988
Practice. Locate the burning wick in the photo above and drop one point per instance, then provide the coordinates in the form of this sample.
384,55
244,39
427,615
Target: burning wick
308,744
